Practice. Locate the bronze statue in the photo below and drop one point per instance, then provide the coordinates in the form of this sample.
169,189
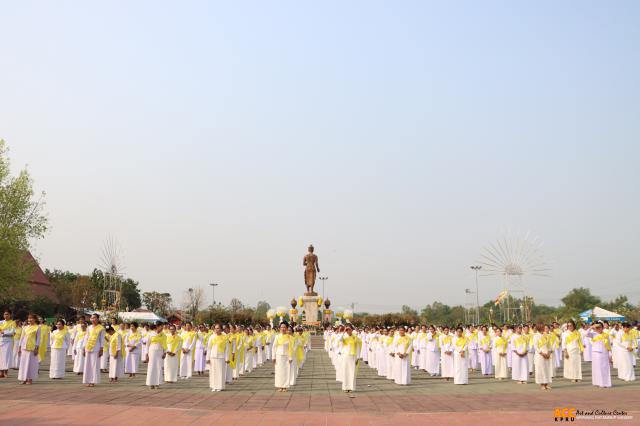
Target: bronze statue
311,266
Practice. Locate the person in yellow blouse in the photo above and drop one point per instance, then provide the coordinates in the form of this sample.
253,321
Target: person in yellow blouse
60,341
7,331
401,351
28,347
351,345
156,353
542,344
218,357
282,357
500,346
172,358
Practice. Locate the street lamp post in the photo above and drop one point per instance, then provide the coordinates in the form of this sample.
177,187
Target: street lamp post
323,279
213,293
477,268
213,297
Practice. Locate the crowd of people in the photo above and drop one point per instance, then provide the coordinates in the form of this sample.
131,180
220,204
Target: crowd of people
227,352
171,352
520,351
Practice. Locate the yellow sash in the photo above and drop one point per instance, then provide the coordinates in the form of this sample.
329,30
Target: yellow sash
113,344
134,338
173,341
31,332
500,343
486,341
283,339
187,337
629,337
461,341
16,337
446,340
544,341
44,341
352,342
404,342
160,339
58,339
93,336
219,341
80,335
299,348
7,324
604,338
521,341
573,336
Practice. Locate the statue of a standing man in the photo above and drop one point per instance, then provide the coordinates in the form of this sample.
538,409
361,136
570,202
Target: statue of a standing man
311,266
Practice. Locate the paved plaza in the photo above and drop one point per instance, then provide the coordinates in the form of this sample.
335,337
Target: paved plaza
316,400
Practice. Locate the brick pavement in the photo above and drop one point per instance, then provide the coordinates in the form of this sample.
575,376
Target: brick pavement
316,399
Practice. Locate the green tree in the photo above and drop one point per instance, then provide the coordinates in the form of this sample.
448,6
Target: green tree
130,294
62,283
579,300
159,303
21,220
260,313
408,310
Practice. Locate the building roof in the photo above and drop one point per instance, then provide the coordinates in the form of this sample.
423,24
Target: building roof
39,284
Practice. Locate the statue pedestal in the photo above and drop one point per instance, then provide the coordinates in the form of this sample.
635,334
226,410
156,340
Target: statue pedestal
310,306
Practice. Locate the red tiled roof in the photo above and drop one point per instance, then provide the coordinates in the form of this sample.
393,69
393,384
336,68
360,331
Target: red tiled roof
39,283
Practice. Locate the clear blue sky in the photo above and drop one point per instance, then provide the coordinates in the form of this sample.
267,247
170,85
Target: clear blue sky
216,140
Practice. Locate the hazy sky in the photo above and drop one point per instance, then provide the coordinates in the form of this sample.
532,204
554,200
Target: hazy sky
216,140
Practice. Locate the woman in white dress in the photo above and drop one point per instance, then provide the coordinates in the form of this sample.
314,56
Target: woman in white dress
7,331
59,343
78,348
218,357
542,343
500,348
172,359
156,352
116,357
626,343
28,350
432,352
188,345
283,356
401,350
460,345
93,350
519,360
132,344
258,359
199,351
572,348
485,352
351,345
446,350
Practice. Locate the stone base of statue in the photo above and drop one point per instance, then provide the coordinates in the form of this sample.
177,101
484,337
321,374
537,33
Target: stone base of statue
310,306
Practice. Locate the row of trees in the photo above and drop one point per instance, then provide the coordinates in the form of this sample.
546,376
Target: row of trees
86,291
576,301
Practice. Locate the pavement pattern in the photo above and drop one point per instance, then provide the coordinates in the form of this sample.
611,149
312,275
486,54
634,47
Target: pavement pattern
317,399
